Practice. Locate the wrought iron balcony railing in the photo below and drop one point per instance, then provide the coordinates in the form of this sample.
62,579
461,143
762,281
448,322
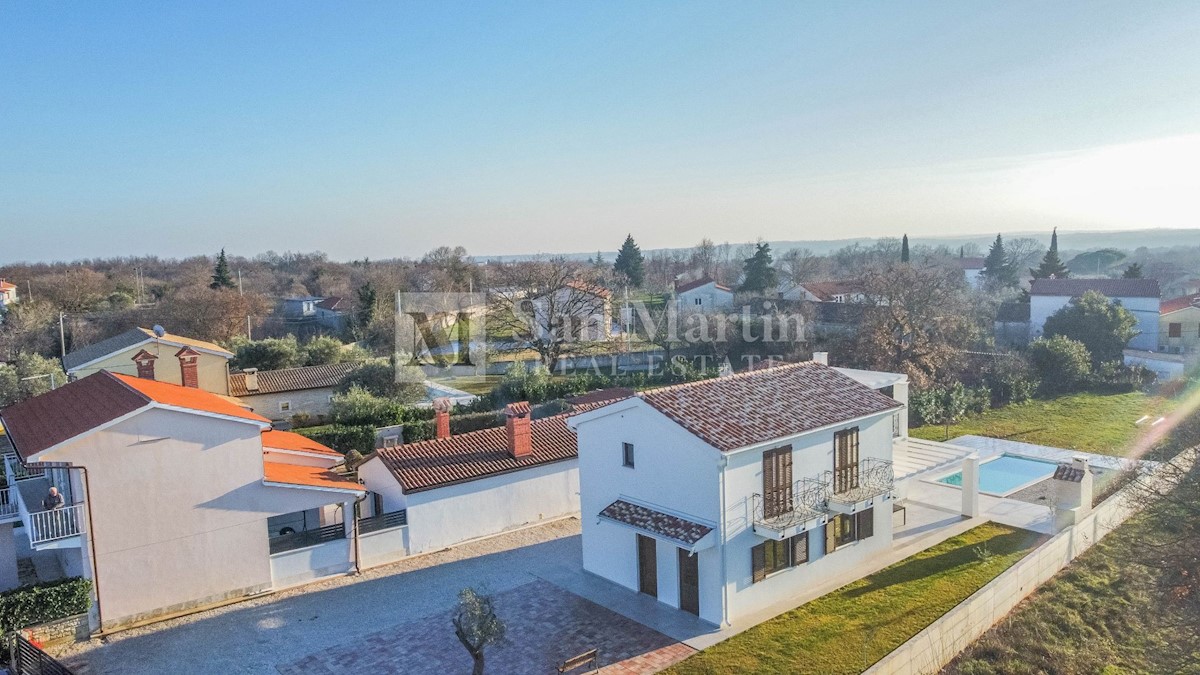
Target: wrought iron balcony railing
792,508
856,483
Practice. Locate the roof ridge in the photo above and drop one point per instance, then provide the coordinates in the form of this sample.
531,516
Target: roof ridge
722,378
319,365
112,376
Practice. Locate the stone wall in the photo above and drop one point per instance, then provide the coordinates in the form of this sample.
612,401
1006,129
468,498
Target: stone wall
60,631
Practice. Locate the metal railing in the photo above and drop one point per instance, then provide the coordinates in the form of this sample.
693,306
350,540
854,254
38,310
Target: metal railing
25,658
15,471
806,502
306,538
871,477
46,526
383,521
8,503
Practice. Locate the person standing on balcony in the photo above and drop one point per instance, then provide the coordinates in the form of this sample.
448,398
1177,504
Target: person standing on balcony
52,500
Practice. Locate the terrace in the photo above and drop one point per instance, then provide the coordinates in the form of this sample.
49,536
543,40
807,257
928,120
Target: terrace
21,499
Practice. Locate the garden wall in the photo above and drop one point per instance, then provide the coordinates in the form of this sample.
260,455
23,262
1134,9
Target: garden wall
934,647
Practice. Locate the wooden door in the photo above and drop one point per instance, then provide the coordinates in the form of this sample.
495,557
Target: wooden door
647,565
689,582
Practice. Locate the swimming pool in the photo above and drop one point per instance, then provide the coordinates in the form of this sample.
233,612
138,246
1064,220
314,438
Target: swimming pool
1005,474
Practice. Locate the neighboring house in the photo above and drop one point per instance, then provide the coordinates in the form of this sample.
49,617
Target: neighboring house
1179,324
331,312
176,499
972,268
459,487
703,295
167,358
8,293
279,395
583,311
1139,296
830,291
300,308
720,497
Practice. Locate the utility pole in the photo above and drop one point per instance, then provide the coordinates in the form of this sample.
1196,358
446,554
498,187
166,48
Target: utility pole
29,288
62,336
240,288
248,335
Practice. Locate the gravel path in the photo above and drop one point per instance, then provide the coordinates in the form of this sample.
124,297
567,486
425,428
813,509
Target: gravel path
255,636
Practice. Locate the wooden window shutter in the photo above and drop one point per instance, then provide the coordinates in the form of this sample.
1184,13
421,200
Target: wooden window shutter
866,523
800,549
831,535
758,562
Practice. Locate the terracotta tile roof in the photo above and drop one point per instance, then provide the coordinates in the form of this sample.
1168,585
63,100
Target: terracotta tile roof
307,476
1113,288
824,290
334,303
131,338
1182,302
1068,473
656,522
752,407
684,288
292,379
5,286
80,406
478,454
286,440
601,396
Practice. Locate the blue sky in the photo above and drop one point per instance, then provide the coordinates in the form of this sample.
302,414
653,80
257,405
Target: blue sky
385,129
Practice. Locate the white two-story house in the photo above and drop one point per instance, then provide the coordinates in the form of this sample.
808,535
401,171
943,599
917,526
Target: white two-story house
724,496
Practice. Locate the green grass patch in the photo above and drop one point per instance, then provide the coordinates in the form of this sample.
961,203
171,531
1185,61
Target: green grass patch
1090,422
853,627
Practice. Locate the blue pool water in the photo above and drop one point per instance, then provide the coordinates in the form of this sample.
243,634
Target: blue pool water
1006,474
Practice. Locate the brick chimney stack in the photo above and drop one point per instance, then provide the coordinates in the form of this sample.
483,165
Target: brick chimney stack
441,416
145,364
187,367
516,423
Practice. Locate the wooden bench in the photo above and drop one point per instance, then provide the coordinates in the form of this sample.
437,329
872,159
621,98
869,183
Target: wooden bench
587,658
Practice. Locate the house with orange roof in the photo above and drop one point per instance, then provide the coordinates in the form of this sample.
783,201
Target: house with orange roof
702,295
8,293
173,498
723,497
1179,324
153,353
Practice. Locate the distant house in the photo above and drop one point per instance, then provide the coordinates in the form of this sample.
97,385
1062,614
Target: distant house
279,395
8,293
1179,324
332,312
301,307
459,487
1139,296
702,295
583,311
175,499
972,268
167,358
831,291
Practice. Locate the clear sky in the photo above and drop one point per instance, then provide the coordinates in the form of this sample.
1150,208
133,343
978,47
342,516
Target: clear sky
385,129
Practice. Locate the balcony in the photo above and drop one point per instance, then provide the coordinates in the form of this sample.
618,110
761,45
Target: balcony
790,512
46,529
858,486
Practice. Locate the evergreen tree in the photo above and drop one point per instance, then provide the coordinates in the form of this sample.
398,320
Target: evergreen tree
904,249
367,298
758,272
221,278
996,269
1134,271
962,251
598,262
630,263
1051,265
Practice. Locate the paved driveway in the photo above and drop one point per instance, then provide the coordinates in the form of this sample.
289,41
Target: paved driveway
378,623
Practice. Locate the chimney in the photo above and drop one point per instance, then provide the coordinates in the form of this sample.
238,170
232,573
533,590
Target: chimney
441,416
1073,486
187,367
821,358
145,364
516,423
251,378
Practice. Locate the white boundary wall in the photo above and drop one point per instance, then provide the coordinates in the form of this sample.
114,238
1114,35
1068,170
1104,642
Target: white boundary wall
942,640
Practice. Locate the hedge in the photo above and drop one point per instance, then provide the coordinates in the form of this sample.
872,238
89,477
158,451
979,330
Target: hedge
39,603
343,438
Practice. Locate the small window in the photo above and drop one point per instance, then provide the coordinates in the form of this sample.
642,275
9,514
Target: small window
627,454
285,406
1175,330
770,557
699,301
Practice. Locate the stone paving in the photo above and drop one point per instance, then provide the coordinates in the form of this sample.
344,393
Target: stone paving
545,626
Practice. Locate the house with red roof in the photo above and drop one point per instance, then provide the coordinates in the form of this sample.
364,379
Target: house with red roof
458,487
8,293
1179,324
721,497
703,295
172,498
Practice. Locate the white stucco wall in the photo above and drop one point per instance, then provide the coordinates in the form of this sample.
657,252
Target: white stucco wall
382,546
296,567
1144,309
179,511
8,558
711,299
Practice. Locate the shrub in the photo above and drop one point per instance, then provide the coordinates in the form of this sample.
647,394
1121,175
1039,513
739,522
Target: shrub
323,350
269,354
39,603
1063,364
343,438
378,377
359,407
1117,378
1010,380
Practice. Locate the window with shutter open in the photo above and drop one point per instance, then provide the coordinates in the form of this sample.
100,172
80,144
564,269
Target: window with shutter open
777,481
845,460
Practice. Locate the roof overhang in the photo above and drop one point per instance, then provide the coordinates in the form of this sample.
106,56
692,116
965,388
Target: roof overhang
318,488
617,406
708,540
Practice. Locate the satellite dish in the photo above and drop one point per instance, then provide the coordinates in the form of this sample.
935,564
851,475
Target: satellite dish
159,330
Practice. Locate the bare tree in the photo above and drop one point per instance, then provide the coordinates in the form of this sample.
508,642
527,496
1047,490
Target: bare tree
1023,252
798,265
476,625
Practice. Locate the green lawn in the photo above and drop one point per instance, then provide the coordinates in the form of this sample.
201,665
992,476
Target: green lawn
1092,422
853,627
